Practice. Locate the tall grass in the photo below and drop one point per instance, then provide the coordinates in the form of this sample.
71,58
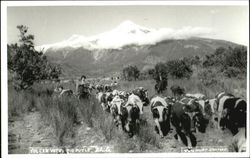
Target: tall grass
19,102
61,113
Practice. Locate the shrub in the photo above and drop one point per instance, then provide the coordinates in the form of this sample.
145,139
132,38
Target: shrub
130,73
26,64
179,69
231,72
231,61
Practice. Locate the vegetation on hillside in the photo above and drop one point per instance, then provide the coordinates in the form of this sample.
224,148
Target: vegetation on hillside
230,62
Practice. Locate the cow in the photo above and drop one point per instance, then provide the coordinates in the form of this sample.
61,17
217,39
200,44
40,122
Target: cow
132,119
160,86
105,100
107,88
239,140
118,112
198,96
233,115
135,100
220,101
142,94
99,88
161,115
124,95
209,106
170,100
115,92
187,116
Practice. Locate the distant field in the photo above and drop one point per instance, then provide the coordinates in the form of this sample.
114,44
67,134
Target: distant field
58,116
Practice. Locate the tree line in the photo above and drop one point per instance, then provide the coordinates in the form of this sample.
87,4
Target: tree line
231,62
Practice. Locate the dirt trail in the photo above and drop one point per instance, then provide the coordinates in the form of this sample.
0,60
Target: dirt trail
29,131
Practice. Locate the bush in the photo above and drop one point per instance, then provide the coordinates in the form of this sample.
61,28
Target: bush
231,72
130,73
179,69
231,61
26,64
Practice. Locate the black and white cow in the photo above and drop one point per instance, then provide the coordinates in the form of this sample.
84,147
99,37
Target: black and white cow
233,115
187,116
231,112
132,119
142,94
135,100
107,88
161,115
118,112
99,88
105,100
208,107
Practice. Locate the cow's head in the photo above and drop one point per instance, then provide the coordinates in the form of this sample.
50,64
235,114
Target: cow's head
170,100
160,112
133,114
116,105
196,114
200,122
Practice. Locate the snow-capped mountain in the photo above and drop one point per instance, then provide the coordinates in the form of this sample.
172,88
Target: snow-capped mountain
127,33
126,44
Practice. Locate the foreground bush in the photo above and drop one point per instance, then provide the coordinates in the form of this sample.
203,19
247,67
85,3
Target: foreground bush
26,64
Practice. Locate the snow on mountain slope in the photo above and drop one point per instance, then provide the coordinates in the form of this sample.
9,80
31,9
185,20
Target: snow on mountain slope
127,33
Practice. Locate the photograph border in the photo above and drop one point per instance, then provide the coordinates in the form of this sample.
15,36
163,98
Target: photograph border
4,74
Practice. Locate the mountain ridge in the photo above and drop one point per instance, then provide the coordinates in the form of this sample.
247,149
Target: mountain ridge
128,44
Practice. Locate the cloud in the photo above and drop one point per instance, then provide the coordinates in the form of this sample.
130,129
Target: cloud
128,33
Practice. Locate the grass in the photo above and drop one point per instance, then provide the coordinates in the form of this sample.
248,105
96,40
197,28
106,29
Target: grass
62,113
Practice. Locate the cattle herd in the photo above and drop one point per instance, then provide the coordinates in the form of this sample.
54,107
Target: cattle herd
187,114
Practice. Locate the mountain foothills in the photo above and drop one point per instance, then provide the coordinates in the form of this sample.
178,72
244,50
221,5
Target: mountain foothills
129,44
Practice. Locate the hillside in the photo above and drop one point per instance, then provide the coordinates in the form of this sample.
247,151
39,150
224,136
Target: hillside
129,43
98,62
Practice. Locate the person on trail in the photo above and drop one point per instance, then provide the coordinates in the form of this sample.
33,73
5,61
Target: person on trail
82,88
81,93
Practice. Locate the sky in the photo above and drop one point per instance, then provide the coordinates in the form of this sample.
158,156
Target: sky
50,24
